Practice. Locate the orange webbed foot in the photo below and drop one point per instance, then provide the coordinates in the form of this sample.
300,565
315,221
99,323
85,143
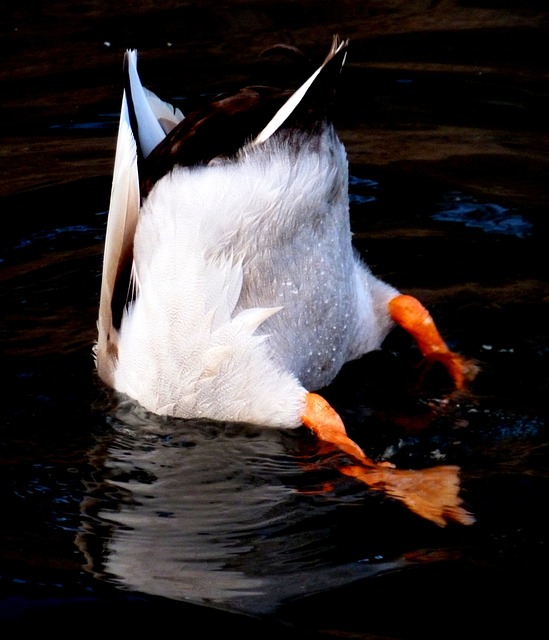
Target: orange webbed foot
414,318
431,493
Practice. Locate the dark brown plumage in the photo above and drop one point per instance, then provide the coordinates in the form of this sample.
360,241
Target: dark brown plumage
224,126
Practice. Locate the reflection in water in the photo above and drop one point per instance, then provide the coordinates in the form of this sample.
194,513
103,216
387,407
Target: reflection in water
213,513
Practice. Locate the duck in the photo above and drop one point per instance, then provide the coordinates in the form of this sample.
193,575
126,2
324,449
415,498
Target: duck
231,289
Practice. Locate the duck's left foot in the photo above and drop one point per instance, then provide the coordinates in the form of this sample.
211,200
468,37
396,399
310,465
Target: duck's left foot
414,318
431,493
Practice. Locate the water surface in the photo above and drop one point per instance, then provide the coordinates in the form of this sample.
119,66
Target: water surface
108,510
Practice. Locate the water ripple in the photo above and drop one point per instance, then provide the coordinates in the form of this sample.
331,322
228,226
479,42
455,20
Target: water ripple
491,218
225,521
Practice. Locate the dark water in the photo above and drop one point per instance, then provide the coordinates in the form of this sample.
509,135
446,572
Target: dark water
112,519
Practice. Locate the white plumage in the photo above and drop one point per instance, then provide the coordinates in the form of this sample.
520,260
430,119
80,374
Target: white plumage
220,311
245,291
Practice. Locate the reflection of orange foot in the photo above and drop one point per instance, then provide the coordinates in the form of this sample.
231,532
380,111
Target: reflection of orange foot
414,318
431,493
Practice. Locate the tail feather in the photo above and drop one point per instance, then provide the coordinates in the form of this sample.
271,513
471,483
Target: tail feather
150,117
144,122
336,54
118,253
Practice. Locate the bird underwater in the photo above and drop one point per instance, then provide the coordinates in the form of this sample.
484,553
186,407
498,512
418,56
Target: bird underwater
230,287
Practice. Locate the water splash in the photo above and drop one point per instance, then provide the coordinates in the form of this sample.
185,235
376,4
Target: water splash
362,190
491,218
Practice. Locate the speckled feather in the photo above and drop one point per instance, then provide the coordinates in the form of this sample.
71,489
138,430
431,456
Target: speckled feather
247,290
231,289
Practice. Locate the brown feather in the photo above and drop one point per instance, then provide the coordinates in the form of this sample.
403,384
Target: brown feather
223,127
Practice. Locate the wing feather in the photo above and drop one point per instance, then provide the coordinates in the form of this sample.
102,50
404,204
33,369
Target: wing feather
145,120
118,253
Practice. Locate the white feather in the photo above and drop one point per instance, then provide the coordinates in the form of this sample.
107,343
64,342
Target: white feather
122,221
155,117
167,115
248,289
289,106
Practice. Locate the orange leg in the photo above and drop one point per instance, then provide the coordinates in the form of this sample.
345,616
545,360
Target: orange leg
414,318
431,493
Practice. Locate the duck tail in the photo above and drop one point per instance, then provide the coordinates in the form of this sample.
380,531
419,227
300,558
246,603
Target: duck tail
317,88
150,117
